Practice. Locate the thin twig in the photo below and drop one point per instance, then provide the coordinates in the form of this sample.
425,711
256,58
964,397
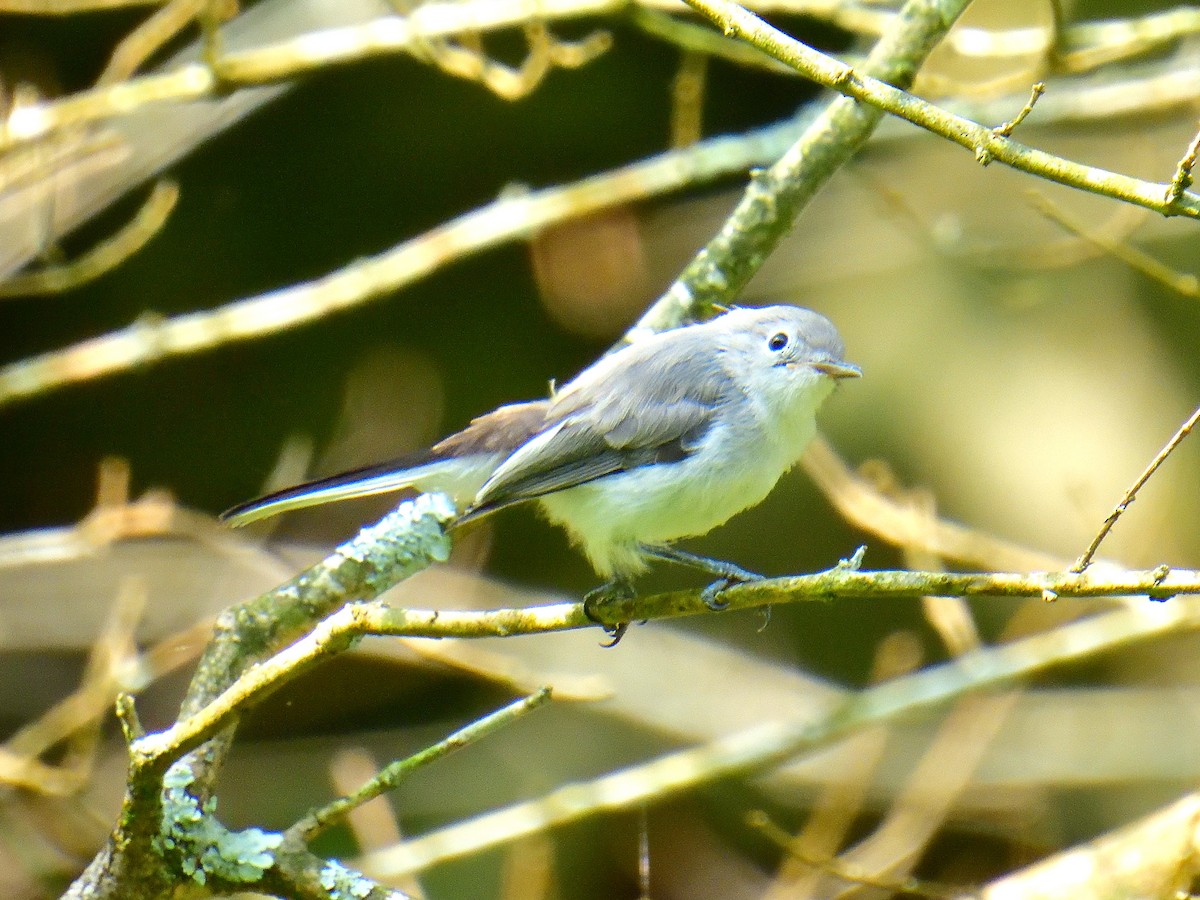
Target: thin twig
372,825
545,52
1182,179
850,873
127,715
694,37
687,99
1006,129
1183,283
391,775
77,718
147,39
1130,495
105,256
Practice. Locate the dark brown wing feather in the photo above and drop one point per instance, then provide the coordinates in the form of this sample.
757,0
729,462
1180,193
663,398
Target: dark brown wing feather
503,430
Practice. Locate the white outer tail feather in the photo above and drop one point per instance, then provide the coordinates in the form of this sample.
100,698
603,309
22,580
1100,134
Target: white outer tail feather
460,478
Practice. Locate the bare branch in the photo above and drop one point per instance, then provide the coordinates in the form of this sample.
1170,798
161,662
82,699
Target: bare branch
387,779
777,194
105,256
1130,495
986,145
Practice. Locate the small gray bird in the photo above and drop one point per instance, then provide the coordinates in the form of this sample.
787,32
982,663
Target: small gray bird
664,439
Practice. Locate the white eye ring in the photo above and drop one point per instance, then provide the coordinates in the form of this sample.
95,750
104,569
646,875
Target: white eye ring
777,342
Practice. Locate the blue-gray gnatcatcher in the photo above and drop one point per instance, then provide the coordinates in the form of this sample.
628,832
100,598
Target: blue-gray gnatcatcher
666,438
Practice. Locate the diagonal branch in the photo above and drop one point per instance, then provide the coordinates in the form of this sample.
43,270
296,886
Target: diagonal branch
1130,495
391,775
984,142
777,195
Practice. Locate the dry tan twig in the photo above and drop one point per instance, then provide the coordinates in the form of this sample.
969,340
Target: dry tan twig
1157,856
1182,283
838,805
148,38
1130,495
901,523
77,718
105,256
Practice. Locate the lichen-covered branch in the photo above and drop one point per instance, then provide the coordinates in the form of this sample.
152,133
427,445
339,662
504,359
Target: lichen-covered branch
167,834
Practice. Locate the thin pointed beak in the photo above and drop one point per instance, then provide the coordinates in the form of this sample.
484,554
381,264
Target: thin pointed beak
838,369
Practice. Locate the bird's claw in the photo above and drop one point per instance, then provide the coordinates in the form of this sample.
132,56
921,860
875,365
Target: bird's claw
611,592
711,595
615,633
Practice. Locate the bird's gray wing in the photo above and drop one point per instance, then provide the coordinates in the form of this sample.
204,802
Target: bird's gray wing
653,406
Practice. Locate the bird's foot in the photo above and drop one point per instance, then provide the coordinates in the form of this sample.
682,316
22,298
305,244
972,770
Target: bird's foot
711,595
614,591
728,573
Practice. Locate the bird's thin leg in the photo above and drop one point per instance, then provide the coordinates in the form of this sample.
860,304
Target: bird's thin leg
728,573
617,590
720,567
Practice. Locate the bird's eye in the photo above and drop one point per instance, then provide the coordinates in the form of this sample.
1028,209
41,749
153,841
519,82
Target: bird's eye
778,341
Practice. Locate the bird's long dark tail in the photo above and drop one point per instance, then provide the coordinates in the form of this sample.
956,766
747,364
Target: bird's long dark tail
368,481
